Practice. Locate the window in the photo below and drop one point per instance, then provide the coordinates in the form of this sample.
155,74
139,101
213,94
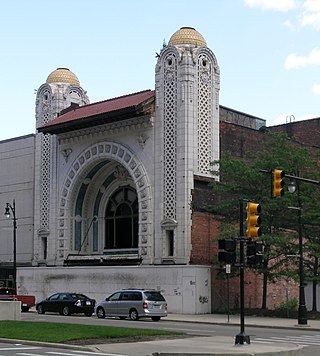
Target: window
154,296
115,296
63,297
54,297
170,242
136,296
122,220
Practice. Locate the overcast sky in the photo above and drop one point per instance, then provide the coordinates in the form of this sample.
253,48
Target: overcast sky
268,51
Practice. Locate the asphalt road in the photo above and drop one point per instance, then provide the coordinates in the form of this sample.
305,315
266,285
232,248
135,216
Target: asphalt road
310,339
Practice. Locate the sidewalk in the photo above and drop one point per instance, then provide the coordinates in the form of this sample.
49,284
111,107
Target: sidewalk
249,321
213,345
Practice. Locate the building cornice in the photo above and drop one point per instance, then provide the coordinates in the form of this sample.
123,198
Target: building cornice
109,129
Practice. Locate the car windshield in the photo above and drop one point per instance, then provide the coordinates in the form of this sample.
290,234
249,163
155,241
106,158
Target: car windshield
154,296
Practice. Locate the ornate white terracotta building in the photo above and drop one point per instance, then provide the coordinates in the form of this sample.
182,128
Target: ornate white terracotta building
103,191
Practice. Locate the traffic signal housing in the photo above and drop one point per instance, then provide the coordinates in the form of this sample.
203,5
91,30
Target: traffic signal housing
253,220
278,183
228,255
254,253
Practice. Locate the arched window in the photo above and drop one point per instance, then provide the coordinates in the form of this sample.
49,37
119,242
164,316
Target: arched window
122,220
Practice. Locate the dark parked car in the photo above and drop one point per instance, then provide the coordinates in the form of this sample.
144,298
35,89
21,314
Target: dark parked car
67,304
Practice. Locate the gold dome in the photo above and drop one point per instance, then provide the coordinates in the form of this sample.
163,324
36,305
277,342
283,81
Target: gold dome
187,35
63,75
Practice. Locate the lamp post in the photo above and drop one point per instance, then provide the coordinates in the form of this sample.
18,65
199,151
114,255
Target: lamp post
7,213
302,310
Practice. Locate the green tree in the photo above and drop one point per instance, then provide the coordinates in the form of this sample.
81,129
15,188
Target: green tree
241,178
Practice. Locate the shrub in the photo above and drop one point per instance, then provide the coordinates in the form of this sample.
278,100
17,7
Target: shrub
290,305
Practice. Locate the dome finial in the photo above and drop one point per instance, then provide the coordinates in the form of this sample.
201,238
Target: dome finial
187,36
63,75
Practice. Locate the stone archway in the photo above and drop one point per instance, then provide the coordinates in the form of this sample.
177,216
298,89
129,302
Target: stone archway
123,155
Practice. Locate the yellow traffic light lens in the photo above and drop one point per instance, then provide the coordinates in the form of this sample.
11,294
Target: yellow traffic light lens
253,208
253,219
254,231
278,183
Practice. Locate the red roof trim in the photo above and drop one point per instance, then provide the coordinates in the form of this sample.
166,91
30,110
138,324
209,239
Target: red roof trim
100,108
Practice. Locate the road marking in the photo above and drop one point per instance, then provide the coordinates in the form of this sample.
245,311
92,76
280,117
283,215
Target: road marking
92,352
296,339
20,348
302,341
263,341
59,353
269,341
66,354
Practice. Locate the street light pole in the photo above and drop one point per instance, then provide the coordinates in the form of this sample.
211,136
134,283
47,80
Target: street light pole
302,311
12,208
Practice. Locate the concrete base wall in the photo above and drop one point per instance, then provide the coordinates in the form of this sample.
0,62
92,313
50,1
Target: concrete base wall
186,288
10,310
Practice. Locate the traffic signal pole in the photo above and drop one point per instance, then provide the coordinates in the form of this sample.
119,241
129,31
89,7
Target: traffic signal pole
242,338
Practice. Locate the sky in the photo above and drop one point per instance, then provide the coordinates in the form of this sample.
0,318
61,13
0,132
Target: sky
268,51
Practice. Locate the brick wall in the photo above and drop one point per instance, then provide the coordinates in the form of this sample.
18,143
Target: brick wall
205,233
307,132
239,140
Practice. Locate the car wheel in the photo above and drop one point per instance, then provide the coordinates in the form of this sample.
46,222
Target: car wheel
155,318
25,309
88,314
100,313
133,314
66,311
40,309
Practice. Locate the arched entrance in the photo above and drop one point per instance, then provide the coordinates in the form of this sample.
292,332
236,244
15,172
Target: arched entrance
105,204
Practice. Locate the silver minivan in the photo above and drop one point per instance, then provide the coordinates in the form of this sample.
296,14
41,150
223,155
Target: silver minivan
133,304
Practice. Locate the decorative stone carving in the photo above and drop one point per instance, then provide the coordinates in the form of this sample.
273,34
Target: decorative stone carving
66,153
142,139
121,173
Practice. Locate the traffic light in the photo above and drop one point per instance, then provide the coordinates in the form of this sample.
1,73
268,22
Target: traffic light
253,220
278,183
254,253
228,255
